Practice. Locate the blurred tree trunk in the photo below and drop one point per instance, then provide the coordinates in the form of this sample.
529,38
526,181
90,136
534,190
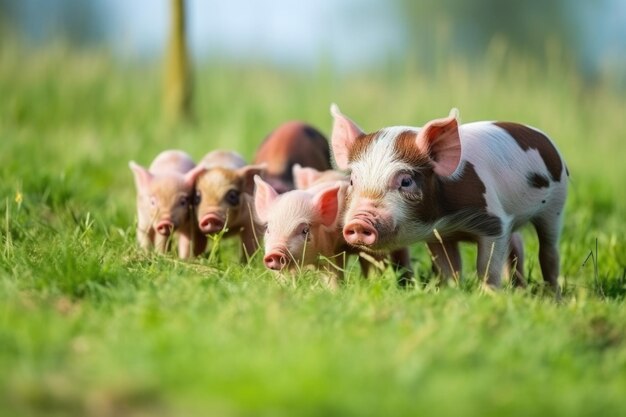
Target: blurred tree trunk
177,95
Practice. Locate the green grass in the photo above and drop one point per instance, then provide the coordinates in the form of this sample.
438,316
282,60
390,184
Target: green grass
89,325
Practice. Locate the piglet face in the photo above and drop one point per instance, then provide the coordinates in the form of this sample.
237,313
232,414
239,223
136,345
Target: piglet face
391,198
287,245
221,198
168,200
218,199
295,223
386,212
164,199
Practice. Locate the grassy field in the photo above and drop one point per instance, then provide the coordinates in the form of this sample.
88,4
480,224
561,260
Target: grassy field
90,325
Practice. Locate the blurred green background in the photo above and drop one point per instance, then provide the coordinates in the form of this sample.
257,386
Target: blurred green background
347,34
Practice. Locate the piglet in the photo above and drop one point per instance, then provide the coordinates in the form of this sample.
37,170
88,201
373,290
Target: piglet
292,143
224,198
301,226
478,181
164,203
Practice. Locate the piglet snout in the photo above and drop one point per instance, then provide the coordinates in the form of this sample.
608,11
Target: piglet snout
359,232
211,224
165,227
275,260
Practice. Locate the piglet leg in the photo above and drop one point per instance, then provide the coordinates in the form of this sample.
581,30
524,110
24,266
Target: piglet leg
401,262
162,243
548,234
145,237
145,233
446,259
190,241
492,254
249,240
199,242
184,244
516,261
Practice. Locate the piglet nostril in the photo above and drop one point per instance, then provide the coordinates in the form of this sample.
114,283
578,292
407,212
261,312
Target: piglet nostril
275,261
165,227
359,232
211,223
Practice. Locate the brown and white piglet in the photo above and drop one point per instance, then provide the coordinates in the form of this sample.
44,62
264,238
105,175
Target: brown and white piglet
164,203
289,144
479,182
224,198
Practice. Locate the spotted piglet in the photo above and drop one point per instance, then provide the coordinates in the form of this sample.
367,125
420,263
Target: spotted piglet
224,198
289,144
164,203
478,181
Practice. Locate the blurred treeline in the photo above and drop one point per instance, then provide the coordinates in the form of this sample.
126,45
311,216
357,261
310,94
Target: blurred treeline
80,23
588,35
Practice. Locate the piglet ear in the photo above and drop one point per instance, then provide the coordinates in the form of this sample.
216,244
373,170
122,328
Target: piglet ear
142,175
192,175
264,196
247,173
326,204
303,177
441,141
345,132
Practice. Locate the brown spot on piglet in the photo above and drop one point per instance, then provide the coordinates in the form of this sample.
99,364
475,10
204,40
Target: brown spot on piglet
360,145
464,200
528,138
537,180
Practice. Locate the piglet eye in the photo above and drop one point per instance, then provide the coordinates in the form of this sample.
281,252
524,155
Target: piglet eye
197,198
305,230
406,182
153,201
232,197
184,201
